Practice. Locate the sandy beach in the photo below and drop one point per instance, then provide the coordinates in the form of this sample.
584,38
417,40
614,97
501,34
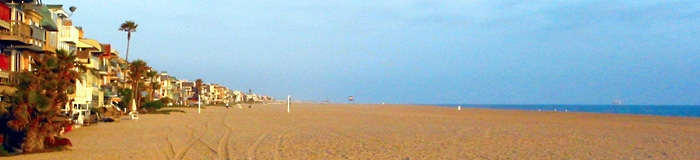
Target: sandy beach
339,131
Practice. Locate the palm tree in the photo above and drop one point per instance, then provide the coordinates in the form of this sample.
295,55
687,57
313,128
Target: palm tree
152,75
198,84
41,93
128,27
138,69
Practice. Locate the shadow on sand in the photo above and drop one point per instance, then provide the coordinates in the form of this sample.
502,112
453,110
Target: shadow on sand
167,111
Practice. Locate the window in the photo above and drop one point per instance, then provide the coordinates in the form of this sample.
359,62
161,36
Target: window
16,61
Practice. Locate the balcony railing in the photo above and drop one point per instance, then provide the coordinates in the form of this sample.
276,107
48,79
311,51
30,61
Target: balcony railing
68,33
19,32
38,37
114,75
6,78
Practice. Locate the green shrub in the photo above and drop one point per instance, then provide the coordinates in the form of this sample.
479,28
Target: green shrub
3,152
153,105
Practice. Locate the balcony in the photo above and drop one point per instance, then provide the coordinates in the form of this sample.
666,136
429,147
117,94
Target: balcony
26,37
68,34
102,69
51,44
49,48
6,78
84,57
114,76
19,33
38,38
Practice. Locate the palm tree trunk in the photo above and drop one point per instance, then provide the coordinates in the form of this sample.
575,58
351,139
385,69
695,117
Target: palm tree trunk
137,93
34,140
153,91
128,42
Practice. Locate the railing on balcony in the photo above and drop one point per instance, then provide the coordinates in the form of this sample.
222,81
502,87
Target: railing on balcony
68,33
103,68
114,75
38,36
19,32
51,42
6,78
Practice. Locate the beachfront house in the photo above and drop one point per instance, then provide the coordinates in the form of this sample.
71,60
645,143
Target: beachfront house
187,92
24,28
221,94
68,38
110,76
68,34
117,77
167,87
88,51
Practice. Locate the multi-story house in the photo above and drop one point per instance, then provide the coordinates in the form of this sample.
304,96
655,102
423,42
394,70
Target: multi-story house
115,78
186,92
166,86
221,94
207,93
173,91
109,69
86,51
26,32
68,35
67,38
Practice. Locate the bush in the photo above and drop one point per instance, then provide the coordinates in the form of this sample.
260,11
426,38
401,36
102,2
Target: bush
3,152
153,105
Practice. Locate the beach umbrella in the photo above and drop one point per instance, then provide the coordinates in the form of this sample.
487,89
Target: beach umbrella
133,105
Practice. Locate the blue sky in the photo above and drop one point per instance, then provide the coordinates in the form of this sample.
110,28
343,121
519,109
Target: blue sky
418,52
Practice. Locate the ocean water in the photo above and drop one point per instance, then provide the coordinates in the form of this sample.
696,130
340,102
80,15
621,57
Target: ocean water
659,110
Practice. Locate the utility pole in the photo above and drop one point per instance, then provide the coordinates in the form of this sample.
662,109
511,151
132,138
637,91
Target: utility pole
199,100
250,91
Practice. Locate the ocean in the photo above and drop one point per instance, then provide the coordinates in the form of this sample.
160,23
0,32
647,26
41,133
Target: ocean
659,110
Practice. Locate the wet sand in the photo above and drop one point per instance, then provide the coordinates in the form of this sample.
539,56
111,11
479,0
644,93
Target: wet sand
333,131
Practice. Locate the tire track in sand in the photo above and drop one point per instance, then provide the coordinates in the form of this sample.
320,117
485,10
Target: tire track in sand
183,151
278,144
223,143
170,151
211,149
253,149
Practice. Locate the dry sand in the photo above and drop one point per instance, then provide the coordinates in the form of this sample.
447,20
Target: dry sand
331,131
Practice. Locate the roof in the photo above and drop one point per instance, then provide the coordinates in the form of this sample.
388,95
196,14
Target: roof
46,19
187,84
117,60
114,52
89,43
59,9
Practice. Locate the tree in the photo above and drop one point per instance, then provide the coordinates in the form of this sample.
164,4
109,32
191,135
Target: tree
198,84
126,95
35,108
138,70
128,27
153,85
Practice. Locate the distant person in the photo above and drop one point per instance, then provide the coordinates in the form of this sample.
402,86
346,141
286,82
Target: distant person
226,105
